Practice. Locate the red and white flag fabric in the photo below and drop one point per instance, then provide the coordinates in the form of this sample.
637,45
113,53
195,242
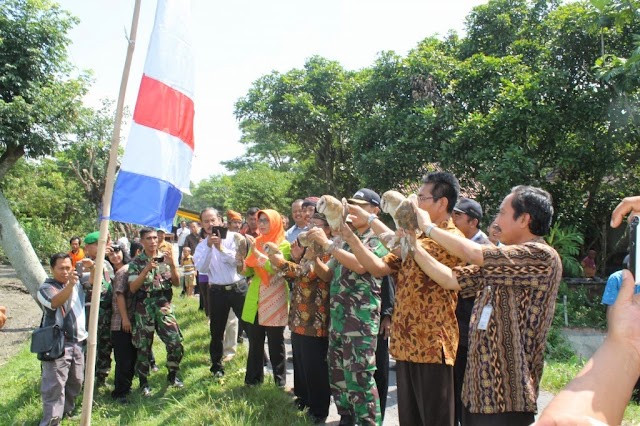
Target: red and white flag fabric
156,167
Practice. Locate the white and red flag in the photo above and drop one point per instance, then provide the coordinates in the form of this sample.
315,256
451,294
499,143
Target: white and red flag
156,167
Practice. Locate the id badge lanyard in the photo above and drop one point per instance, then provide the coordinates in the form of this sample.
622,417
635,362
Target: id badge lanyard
485,315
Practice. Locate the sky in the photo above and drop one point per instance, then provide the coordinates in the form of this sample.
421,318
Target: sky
237,42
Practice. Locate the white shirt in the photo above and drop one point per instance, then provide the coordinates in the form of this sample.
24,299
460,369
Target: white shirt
182,235
293,232
219,265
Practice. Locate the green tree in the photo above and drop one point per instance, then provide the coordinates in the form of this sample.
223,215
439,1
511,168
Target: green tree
85,160
304,112
255,186
39,102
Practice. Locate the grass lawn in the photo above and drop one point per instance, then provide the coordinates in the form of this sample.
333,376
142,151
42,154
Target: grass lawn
558,373
202,401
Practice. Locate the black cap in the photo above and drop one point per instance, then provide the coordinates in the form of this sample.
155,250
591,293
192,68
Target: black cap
365,196
469,207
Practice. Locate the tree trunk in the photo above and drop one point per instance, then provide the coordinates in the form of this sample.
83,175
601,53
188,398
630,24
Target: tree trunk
18,249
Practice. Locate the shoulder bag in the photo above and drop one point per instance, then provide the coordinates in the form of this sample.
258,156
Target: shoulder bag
48,342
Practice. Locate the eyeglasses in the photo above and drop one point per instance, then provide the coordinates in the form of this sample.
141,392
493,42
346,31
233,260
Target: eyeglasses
319,225
116,249
423,198
264,220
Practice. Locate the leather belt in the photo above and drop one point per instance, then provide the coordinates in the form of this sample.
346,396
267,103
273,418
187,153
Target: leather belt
227,287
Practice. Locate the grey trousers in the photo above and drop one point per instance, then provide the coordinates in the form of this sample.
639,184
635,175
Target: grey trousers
61,383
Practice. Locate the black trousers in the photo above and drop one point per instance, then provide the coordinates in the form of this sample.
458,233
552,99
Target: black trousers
381,376
203,286
499,419
125,356
255,359
220,302
458,377
311,373
425,394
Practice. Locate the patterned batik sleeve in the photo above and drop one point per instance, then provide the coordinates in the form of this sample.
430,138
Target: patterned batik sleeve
528,265
393,262
470,279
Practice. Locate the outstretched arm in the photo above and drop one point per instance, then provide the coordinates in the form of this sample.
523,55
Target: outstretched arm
602,390
460,247
441,274
366,258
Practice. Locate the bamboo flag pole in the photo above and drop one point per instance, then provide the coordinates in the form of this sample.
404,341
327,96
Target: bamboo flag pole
87,400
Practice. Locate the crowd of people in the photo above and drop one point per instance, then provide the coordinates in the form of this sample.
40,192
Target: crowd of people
464,314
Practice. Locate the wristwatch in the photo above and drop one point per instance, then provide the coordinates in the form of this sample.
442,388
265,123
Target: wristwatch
428,229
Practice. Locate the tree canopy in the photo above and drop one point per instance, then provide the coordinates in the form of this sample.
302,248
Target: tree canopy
536,92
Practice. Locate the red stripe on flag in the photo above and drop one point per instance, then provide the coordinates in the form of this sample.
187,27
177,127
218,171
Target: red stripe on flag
166,109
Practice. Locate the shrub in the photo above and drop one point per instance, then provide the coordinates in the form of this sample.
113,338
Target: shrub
583,307
46,238
567,242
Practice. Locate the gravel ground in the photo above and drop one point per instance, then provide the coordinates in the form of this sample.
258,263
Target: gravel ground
23,313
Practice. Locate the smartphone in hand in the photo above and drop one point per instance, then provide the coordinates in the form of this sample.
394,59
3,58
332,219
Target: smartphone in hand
634,249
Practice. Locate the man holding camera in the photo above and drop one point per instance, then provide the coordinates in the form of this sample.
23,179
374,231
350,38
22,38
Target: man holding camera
216,257
153,273
63,301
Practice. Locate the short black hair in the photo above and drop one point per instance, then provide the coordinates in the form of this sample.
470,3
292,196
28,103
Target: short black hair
145,230
134,248
252,210
537,203
55,257
444,185
75,237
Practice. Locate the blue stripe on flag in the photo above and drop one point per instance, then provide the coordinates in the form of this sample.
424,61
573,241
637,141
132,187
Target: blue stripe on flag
144,200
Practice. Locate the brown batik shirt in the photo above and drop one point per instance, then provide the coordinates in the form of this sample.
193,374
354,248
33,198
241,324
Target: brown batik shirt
309,310
504,366
423,326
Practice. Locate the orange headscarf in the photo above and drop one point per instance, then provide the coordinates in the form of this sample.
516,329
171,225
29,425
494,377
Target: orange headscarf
275,235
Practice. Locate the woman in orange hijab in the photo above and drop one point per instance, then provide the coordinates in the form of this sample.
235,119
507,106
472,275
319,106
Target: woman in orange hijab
266,303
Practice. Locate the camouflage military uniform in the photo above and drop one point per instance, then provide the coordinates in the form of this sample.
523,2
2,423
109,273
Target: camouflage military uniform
103,335
355,319
153,311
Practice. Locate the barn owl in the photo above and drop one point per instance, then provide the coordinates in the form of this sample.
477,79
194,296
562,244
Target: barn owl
334,210
390,202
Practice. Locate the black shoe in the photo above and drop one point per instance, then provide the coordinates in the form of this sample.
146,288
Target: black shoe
300,405
346,421
218,374
122,399
145,389
71,415
100,381
317,420
174,381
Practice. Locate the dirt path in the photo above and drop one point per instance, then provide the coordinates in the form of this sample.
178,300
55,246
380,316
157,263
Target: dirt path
23,313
